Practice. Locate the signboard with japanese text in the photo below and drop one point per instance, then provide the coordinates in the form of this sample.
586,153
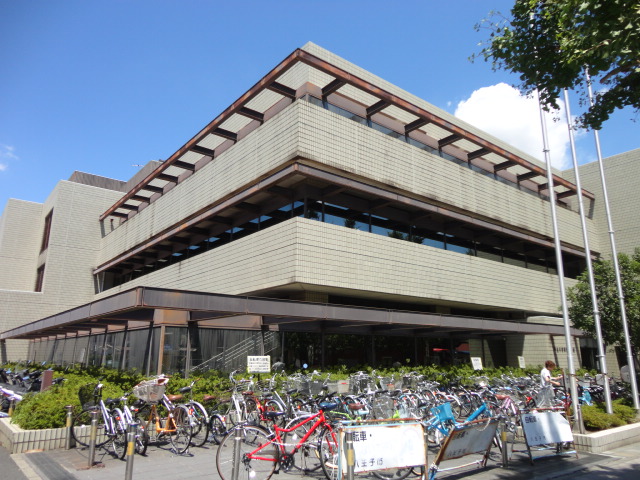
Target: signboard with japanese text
521,362
259,364
541,428
476,362
474,437
378,447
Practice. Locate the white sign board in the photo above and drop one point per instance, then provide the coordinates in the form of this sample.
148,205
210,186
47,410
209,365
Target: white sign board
521,362
377,447
468,439
476,362
259,364
542,428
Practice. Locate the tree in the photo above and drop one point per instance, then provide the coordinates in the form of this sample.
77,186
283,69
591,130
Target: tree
550,42
581,309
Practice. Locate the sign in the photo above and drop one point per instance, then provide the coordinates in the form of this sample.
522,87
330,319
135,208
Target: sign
474,437
377,447
541,428
477,363
259,364
521,362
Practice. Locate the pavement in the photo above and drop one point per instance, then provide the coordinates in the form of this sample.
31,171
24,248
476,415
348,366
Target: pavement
199,463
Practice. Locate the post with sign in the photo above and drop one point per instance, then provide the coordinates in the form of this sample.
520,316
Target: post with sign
476,362
258,364
543,427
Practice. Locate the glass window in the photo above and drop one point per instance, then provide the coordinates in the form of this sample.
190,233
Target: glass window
47,231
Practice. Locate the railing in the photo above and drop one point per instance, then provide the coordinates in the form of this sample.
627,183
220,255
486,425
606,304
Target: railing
235,357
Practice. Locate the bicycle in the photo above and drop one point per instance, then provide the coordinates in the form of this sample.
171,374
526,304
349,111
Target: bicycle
176,425
199,416
124,418
90,396
261,452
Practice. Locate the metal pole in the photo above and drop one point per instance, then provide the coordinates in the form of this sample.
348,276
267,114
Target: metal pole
12,406
235,473
504,439
131,449
69,444
592,283
616,266
350,454
93,433
560,271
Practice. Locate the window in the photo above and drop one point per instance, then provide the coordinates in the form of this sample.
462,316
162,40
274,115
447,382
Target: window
39,279
46,232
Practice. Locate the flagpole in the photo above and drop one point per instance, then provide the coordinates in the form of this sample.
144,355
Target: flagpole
616,265
560,272
592,285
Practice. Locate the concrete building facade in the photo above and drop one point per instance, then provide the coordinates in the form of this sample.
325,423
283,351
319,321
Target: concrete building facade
322,185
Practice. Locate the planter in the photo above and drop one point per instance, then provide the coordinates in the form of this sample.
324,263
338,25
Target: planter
17,440
598,442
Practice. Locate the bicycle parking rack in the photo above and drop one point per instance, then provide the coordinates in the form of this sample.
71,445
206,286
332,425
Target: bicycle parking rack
474,437
546,429
363,446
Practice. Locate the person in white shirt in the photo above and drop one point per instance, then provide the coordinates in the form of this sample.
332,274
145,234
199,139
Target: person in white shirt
547,382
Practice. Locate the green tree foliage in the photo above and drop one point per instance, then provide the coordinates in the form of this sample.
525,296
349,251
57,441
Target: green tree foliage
550,42
581,309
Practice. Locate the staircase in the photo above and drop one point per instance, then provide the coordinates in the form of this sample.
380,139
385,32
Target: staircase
235,358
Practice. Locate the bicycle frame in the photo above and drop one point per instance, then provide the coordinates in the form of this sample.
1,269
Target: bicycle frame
318,420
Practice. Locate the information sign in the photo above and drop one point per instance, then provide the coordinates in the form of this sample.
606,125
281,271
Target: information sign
259,364
377,447
476,362
521,362
474,437
541,428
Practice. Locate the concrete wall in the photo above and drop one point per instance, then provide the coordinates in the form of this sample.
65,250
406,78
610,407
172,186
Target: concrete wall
73,247
334,258
622,174
21,227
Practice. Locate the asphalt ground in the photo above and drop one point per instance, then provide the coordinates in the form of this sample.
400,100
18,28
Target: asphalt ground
199,463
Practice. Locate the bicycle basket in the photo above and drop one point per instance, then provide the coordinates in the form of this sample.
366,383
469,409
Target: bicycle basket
315,387
382,407
86,397
443,412
151,391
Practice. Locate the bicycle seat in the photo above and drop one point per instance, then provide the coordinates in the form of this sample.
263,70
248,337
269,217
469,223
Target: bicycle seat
174,398
248,392
273,415
501,397
327,406
208,398
356,406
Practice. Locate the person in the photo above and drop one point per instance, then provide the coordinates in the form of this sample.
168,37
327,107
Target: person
545,375
547,382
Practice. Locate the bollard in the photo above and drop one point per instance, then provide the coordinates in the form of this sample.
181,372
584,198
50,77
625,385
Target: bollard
236,453
69,443
505,444
350,454
93,434
12,405
131,449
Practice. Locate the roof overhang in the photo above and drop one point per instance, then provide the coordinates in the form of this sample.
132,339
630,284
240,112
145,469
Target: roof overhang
137,306
452,133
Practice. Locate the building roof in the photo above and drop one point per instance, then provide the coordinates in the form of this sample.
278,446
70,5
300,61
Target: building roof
338,77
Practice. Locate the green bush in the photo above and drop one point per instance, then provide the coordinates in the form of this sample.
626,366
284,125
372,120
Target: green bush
596,418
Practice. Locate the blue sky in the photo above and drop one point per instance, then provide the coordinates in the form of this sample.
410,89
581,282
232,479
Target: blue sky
103,86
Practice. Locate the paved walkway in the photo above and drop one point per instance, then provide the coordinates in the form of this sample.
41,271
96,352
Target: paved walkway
199,463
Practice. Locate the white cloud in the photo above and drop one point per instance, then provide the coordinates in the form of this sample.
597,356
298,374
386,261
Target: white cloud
6,153
506,114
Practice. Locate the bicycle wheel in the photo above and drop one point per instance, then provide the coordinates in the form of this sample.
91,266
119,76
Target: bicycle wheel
217,429
146,418
81,428
181,438
200,424
393,473
250,441
307,457
329,452
119,439
142,440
